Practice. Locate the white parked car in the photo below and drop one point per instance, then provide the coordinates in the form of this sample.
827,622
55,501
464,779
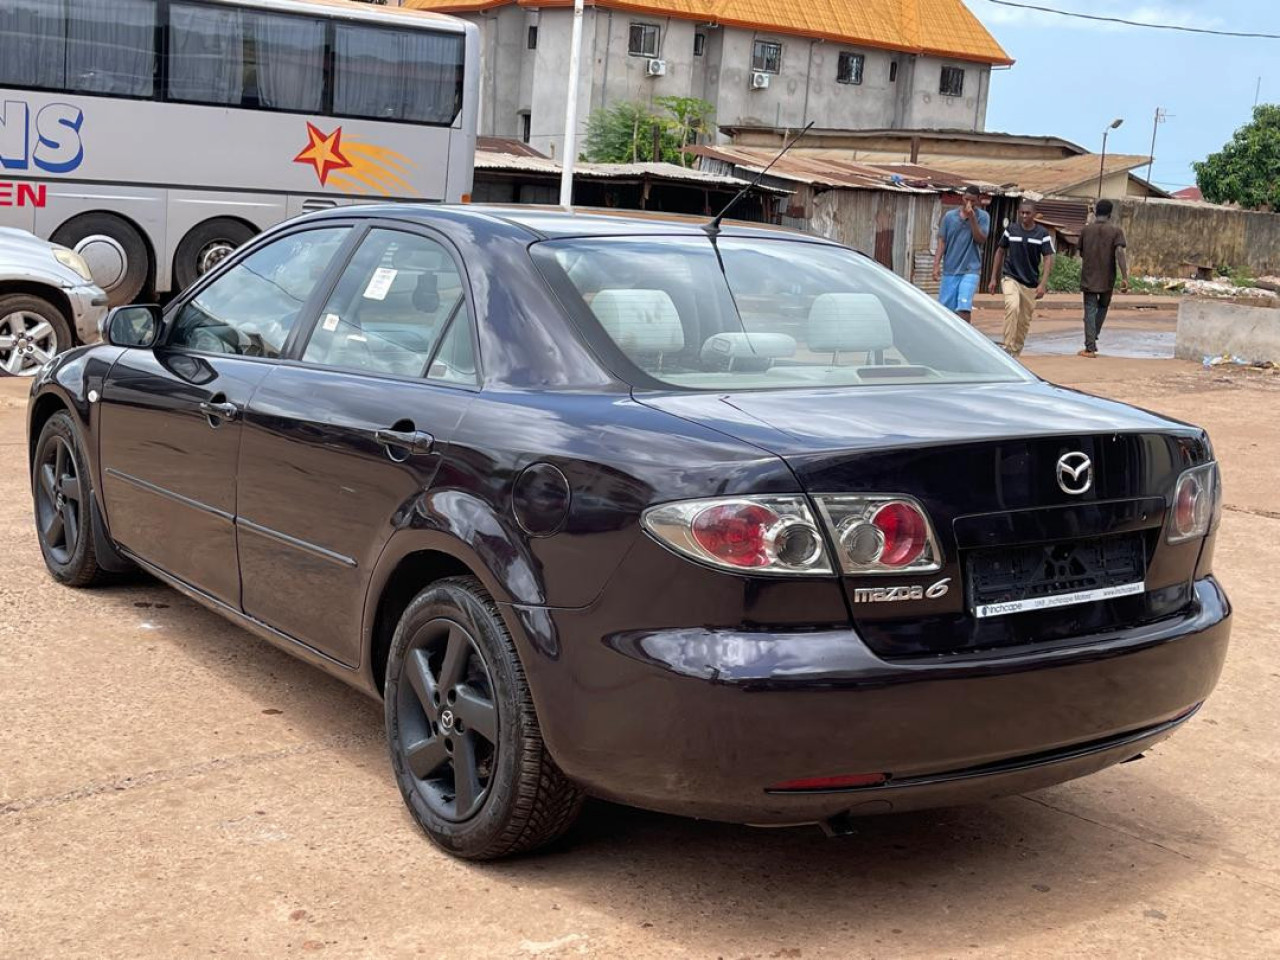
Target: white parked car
48,302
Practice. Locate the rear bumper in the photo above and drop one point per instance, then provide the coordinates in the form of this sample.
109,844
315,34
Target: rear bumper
701,722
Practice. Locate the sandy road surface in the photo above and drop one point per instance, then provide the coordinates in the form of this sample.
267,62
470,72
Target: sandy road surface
170,786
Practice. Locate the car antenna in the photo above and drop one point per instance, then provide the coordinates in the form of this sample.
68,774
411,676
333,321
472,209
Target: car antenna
712,228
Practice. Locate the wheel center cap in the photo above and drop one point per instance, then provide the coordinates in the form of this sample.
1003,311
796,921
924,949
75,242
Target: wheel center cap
446,720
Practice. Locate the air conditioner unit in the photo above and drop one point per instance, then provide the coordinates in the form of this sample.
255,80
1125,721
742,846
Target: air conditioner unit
657,68
759,81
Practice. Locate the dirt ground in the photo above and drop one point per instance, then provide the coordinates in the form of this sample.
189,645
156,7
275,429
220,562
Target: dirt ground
171,786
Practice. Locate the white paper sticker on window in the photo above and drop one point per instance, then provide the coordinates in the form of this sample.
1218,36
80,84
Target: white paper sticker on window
379,284
331,322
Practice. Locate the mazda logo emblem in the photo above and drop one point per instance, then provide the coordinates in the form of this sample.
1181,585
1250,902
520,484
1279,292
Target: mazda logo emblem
1075,473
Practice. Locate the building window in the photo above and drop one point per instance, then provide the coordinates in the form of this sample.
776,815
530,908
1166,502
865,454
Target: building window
532,42
849,68
525,126
766,56
952,84
699,44
893,71
643,40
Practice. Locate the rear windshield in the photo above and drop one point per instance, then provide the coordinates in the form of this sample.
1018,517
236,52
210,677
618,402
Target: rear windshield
763,313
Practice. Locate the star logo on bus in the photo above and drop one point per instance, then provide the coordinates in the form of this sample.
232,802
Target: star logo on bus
324,152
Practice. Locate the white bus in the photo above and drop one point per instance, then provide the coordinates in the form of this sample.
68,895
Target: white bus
154,136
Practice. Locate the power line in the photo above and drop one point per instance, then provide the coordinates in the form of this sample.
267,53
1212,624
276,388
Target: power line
1134,23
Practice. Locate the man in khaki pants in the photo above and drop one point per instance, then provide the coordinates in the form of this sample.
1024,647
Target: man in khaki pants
1022,266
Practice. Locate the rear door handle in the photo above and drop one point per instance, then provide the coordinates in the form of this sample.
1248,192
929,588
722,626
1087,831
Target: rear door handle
415,441
225,410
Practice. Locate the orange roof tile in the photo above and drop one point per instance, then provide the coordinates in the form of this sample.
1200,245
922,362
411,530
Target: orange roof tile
939,27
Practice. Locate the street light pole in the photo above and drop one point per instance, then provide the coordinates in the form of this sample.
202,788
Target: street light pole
1151,157
1102,164
571,109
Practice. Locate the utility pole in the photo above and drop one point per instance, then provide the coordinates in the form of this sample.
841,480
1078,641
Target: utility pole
571,110
1161,116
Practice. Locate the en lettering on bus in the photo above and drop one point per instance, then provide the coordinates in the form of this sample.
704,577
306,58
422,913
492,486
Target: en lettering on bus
48,140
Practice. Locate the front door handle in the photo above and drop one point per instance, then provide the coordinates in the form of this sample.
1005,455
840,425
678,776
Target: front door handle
415,441
224,410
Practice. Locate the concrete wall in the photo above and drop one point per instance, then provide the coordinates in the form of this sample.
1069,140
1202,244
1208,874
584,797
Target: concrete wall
1211,328
1164,234
515,79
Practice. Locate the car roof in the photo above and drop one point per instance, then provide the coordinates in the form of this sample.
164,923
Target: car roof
545,222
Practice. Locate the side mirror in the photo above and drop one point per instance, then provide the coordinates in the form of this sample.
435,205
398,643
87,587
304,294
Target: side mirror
136,325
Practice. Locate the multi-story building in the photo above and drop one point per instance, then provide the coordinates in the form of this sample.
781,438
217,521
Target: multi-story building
849,65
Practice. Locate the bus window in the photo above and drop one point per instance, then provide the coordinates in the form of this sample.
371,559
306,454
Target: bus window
206,54
403,75
288,62
31,44
241,58
111,47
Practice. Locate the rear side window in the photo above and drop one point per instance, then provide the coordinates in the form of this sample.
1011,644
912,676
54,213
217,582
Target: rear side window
393,305
251,308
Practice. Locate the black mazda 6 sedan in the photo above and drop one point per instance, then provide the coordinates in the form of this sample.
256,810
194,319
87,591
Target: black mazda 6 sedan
727,523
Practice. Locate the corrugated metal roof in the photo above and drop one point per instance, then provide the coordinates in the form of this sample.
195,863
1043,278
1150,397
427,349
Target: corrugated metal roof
806,168
941,27
518,163
861,170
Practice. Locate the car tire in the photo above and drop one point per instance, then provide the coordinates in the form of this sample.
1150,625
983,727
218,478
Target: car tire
32,331
453,667
206,245
62,491
115,251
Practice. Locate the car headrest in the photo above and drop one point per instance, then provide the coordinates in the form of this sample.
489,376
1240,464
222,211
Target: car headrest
426,293
849,321
640,321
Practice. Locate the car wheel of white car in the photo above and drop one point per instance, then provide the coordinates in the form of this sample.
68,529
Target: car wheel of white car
32,332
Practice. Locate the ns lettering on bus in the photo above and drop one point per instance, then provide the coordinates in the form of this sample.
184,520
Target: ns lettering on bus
47,141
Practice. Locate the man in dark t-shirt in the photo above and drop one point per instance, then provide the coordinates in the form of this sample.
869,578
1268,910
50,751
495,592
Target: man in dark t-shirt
1102,247
1022,266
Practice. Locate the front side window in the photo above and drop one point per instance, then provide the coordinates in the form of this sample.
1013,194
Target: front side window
250,309
779,314
643,40
111,47
383,74
391,308
952,83
32,44
766,56
849,68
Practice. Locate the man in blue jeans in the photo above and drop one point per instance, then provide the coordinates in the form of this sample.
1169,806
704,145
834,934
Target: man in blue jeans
959,261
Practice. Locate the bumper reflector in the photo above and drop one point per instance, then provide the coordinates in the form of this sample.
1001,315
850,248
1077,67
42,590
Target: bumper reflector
846,782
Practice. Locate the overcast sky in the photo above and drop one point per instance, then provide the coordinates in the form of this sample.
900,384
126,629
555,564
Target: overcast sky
1073,77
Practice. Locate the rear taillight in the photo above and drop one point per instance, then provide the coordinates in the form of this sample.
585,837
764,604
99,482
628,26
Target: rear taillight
1197,503
770,535
780,535
880,534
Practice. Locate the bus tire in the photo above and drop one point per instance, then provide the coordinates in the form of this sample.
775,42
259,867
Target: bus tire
205,246
117,255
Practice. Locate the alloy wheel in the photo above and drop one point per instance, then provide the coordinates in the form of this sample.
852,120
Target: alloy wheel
27,342
58,500
448,720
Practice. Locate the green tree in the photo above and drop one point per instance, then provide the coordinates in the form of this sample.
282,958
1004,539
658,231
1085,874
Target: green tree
626,132
1247,169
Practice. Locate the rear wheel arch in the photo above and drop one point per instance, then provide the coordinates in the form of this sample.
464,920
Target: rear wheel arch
412,574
